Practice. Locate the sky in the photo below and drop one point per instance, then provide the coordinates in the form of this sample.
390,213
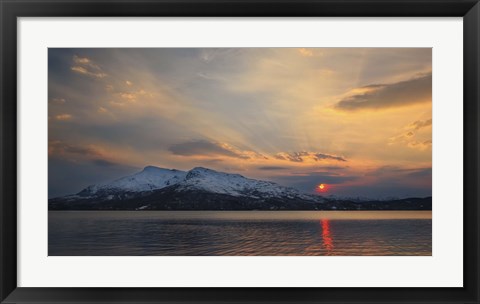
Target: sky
358,120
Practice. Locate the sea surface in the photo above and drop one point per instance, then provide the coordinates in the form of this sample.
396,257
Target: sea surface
239,233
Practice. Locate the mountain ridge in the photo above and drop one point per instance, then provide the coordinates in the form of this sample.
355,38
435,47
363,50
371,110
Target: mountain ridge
200,188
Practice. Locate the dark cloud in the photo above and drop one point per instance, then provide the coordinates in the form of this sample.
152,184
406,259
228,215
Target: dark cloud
332,168
321,173
76,153
415,90
62,148
272,168
319,156
204,148
299,157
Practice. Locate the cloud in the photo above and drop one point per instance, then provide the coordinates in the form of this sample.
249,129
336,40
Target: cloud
201,147
79,69
305,52
421,145
58,100
85,66
78,153
84,71
133,95
319,156
272,168
102,110
129,97
85,61
408,137
63,117
59,148
207,76
380,96
210,148
304,156
419,124
294,157
332,168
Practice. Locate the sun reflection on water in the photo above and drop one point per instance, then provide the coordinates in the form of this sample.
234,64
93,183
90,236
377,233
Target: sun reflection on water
326,235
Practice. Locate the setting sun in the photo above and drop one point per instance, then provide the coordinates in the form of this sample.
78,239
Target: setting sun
322,188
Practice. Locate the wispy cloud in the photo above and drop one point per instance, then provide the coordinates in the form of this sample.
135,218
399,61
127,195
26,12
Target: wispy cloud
305,52
304,156
421,145
102,110
63,117
58,100
419,124
409,136
132,96
85,61
86,66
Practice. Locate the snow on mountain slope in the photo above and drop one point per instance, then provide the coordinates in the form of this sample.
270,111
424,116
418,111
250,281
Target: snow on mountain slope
150,178
232,184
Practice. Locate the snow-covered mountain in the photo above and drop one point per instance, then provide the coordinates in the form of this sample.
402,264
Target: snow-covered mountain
153,178
203,189
150,178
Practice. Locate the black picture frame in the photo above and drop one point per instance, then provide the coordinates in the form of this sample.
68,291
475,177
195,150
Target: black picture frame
469,10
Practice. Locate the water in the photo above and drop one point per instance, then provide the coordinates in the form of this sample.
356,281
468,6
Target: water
265,233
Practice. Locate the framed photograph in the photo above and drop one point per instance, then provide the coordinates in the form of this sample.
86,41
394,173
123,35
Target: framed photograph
224,151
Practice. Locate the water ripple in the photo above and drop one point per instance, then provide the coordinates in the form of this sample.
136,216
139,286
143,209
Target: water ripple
239,233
